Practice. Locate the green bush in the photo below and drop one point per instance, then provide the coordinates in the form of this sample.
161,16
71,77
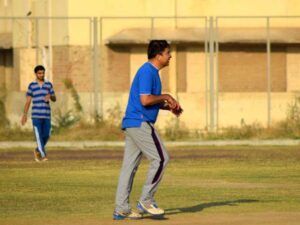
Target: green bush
63,121
4,122
175,130
114,115
69,86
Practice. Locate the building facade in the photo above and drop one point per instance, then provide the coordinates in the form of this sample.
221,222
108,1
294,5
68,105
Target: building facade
225,69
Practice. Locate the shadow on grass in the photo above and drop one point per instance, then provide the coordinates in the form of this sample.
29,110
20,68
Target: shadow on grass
155,217
200,207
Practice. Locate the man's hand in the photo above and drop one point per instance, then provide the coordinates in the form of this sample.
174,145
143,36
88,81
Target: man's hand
177,112
174,106
166,101
47,98
26,108
24,119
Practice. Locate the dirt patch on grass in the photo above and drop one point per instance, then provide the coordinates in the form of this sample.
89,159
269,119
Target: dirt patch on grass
64,155
202,153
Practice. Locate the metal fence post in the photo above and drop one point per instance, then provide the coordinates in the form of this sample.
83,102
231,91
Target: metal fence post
217,74
269,78
206,74
100,71
211,74
95,67
36,41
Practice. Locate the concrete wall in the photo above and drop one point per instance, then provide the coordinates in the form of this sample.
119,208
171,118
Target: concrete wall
242,94
184,7
252,108
242,71
6,68
77,31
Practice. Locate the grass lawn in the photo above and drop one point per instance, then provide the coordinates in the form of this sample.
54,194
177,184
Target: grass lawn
204,185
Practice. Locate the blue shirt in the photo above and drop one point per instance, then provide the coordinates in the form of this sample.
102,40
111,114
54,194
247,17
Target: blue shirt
145,82
40,108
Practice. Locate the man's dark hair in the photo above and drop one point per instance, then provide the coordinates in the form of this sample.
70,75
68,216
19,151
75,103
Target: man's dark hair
39,67
156,47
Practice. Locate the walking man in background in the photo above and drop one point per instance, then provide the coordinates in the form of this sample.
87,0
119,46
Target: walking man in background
145,101
40,92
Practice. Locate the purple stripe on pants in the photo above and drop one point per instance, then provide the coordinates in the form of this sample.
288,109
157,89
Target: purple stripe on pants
161,155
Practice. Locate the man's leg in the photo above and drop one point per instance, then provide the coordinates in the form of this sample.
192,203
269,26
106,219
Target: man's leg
38,132
46,131
131,161
149,142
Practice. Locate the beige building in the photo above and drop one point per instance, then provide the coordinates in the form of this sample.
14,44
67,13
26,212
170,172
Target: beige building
221,71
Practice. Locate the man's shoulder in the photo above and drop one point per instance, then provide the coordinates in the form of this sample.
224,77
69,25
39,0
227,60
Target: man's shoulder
48,84
143,67
32,84
146,68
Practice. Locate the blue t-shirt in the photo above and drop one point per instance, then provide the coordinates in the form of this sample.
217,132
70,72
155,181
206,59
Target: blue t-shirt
40,108
145,82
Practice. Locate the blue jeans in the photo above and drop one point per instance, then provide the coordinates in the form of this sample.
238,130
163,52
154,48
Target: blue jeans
41,129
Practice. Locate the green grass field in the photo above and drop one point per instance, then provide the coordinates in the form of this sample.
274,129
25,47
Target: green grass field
204,185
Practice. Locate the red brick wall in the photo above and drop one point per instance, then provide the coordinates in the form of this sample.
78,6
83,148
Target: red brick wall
75,63
243,68
116,74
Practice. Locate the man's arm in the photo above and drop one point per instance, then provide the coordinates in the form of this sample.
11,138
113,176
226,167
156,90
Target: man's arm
167,102
51,95
53,98
26,108
148,100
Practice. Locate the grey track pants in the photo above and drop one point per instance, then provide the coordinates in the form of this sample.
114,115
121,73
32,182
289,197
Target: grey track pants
140,141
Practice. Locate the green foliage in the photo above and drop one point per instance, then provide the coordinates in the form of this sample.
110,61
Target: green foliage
114,115
292,123
98,120
102,129
175,130
287,128
293,114
69,86
4,122
108,129
244,131
65,120
62,121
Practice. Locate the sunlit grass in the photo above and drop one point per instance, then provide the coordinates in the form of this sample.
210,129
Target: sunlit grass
243,180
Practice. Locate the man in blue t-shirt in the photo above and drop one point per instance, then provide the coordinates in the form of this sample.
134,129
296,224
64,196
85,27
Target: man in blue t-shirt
145,101
40,92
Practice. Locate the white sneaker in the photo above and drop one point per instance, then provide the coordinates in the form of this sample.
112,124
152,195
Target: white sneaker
132,215
150,208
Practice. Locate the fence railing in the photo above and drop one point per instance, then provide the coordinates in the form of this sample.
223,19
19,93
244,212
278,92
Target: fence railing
209,53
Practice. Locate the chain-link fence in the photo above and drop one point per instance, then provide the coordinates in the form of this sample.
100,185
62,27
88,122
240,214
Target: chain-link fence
225,71
257,72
